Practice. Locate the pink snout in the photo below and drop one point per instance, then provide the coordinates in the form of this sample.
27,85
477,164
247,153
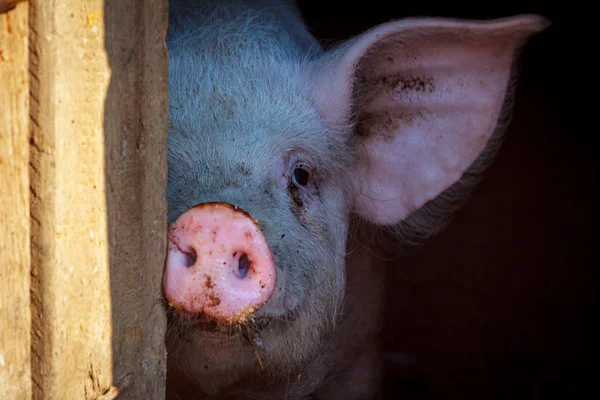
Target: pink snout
218,263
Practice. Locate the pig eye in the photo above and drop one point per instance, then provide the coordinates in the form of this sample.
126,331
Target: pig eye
301,175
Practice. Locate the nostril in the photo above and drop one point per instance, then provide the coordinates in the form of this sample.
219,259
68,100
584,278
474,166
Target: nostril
190,257
243,266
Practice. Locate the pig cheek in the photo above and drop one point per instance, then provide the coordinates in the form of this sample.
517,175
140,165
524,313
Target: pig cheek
277,304
290,245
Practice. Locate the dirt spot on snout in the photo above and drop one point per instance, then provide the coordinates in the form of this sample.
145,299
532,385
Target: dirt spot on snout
212,299
208,283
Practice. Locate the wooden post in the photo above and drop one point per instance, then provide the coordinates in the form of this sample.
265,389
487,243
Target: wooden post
15,315
98,208
136,126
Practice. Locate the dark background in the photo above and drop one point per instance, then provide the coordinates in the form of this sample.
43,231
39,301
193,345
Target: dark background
500,305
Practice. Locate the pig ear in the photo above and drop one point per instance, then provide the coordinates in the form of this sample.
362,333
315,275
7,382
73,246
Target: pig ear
424,96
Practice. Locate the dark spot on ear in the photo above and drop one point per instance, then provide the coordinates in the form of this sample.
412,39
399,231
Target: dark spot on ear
384,126
377,126
406,83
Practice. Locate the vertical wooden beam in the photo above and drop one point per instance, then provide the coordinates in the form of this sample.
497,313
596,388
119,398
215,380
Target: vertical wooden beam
72,353
136,126
15,315
99,115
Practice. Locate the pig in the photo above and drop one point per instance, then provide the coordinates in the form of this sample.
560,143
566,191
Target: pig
285,160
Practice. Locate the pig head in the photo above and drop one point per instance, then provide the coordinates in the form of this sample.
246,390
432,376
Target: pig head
276,144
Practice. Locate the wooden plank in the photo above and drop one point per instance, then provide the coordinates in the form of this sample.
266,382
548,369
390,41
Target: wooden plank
136,138
15,314
99,112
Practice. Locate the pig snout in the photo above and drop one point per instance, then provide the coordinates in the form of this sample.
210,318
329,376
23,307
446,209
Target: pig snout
218,263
